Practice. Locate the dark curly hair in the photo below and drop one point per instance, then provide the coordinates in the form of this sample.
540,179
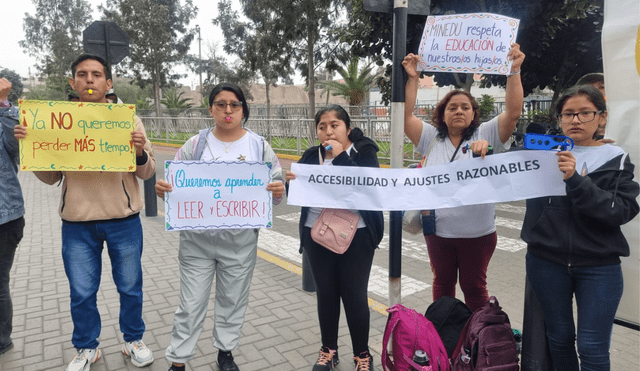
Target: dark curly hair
437,117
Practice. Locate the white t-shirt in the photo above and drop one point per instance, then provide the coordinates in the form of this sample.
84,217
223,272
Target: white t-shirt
314,212
239,150
464,221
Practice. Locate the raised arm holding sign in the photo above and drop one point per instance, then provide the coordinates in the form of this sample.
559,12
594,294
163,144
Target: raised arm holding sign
465,237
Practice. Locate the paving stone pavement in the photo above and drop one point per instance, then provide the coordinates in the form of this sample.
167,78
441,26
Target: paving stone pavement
281,331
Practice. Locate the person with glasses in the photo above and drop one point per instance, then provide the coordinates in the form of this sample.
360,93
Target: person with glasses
574,242
227,254
464,238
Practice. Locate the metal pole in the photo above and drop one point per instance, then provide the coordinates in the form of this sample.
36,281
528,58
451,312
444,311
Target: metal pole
535,354
400,10
150,199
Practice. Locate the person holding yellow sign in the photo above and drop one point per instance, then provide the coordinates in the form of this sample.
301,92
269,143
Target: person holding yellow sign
98,207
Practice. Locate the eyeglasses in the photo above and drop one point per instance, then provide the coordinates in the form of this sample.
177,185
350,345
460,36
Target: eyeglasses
222,105
585,116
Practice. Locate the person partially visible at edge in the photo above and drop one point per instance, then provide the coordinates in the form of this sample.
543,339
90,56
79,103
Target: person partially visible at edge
596,79
465,237
229,255
98,208
11,210
574,242
343,276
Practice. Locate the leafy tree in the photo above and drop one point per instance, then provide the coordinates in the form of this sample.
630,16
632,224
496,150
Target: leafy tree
16,84
159,37
54,36
257,43
356,83
42,92
486,105
217,69
305,26
175,103
560,38
130,92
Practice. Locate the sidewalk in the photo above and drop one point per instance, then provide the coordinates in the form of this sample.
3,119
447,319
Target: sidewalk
281,331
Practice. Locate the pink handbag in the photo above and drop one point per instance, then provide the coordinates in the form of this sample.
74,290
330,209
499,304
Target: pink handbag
335,229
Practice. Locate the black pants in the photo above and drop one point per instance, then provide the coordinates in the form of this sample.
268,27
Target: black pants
10,235
343,277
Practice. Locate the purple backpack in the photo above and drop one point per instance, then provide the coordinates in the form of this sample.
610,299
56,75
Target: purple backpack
486,341
411,331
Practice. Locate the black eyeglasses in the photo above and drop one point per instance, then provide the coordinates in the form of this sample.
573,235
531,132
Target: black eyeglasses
585,116
222,105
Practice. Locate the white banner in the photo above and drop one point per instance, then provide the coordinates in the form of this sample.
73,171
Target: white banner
621,58
503,177
472,43
217,195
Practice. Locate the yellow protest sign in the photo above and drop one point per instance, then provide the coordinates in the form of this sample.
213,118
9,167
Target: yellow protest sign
77,136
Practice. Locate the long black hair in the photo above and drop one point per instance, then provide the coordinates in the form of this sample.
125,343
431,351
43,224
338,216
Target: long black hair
354,135
235,89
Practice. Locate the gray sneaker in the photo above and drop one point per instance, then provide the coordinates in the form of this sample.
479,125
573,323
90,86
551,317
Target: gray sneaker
140,354
83,360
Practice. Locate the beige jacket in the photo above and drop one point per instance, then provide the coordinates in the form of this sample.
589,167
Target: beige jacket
97,195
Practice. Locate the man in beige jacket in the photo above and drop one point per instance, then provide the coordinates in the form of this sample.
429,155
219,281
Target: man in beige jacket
99,207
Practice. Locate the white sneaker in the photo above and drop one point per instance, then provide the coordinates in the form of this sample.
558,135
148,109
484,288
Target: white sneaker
140,354
83,360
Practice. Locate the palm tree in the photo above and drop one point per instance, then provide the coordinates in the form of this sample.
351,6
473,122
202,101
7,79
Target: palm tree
174,102
356,85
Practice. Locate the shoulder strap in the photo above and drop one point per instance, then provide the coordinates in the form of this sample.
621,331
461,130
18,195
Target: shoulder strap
202,141
392,322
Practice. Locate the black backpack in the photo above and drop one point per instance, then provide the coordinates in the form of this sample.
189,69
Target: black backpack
448,315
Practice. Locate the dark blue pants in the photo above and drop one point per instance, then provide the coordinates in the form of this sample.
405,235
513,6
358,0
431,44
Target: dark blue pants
82,245
10,235
597,291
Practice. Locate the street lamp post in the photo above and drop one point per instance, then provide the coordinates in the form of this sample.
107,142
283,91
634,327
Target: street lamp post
199,57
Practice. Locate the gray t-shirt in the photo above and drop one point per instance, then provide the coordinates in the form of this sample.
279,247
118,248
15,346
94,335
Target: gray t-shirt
591,158
464,221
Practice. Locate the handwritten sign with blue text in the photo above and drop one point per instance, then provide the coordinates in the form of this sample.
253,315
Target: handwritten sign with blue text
77,136
217,195
469,43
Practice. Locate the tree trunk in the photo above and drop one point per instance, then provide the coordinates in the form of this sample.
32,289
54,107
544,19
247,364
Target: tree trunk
267,82
156,95
311,78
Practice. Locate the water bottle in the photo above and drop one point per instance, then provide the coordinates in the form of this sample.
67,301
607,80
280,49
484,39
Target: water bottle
517,336
421,358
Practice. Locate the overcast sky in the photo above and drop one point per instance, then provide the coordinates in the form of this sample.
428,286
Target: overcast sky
12,56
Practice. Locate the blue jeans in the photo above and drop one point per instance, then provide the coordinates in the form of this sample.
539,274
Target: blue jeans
82,245
597,291
10,236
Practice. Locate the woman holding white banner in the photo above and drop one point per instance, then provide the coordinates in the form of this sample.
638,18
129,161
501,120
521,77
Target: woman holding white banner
227,254
341,276
464,238
574,242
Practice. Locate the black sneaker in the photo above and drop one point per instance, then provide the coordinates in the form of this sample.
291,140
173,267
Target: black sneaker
225,361
363,362
177,368
327,360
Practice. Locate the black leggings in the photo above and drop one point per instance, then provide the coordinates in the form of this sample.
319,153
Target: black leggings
343,276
